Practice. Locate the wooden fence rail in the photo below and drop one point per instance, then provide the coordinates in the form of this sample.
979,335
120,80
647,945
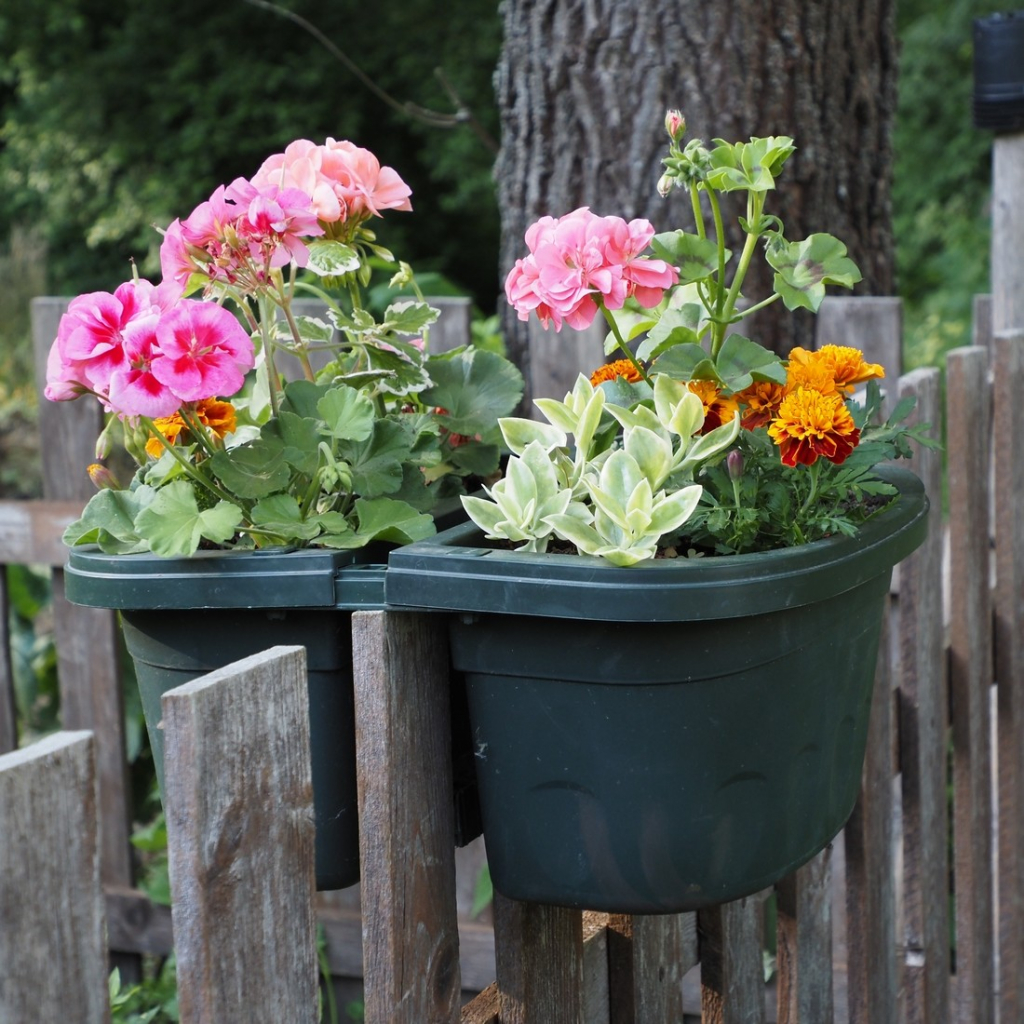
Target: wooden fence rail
914,916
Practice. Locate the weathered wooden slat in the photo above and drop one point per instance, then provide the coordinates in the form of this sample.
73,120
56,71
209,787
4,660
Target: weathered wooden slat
238,796
1007,267
539,954
556,360
596,967
804,943
135,924
484,1008
873,977
31,531
923,733
1008,428
647,958
53,953
8,704
452,327
731,963
403,752
90,697
872,323
86,638
981,322
970,676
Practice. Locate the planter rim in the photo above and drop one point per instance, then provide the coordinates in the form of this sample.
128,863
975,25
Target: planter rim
457,571
267,578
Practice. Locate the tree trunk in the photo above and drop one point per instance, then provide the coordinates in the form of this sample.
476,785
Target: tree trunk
583,86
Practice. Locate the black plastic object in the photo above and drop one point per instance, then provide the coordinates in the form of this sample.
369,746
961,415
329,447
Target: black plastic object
999,72
185,617
697,750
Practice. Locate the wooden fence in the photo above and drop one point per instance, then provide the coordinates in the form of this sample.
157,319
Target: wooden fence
915,914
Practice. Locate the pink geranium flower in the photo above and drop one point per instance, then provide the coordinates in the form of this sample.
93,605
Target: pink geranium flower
90,343
299,166
274,222
360,182
344,181
200,351
134,388
581,259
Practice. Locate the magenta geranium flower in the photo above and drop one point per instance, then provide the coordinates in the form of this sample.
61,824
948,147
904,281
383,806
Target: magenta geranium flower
274,222
90,343
200,351
134,388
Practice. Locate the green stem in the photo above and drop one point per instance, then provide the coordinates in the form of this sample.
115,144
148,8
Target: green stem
187,466
621,342
698,213
814,471
725,314
266,333
753,309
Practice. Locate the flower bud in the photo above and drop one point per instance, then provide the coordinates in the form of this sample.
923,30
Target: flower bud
734,463
102,478
675,125
665,185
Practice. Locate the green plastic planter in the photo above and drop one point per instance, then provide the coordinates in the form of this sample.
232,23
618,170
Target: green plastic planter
669,736
185,617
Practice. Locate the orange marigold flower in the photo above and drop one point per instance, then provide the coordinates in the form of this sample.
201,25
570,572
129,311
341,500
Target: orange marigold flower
830,368
809,370
718,408
610,371
214,414
848,366
762,400
810,424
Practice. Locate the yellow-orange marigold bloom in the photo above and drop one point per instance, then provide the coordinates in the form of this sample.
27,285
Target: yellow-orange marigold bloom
217,416
810,424
762,400
830,368
611,371
718,408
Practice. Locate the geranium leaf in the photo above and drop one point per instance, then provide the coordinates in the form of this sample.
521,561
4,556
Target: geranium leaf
174,526
348,414
741,361
252,470
108,520
387,519
474,387
330,258
377,461
687,362
280,515
805,268
696,258
409,317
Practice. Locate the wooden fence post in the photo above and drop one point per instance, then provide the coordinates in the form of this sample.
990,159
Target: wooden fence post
970,678
539,954
923,734
8,710
873,984
406,819
804,943
87,639
731,966
53,943
239,803
1008,429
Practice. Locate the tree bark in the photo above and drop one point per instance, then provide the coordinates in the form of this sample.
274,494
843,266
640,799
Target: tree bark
583,86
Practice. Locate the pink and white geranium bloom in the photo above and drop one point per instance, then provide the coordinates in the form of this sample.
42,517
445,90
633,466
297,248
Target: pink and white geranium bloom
582,259
90,343
202,351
